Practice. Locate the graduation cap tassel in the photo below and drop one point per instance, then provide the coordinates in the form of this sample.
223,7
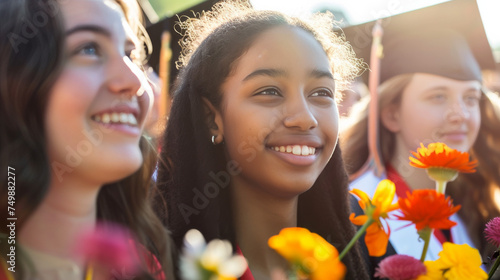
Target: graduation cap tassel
164,74
373,82
374,160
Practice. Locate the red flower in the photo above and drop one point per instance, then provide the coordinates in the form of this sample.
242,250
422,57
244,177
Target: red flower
427,208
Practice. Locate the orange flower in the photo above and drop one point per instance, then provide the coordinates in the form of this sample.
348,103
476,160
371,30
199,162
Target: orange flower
438,155
308,253
427,209
376,210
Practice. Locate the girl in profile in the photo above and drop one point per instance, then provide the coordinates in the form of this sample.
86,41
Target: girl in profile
251,141
73,105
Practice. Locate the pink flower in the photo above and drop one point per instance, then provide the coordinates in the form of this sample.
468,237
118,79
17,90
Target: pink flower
492,231
109,246
400,267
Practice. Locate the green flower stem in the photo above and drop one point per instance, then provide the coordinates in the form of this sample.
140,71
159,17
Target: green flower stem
494,267
441,186
356,237
425,234
292,275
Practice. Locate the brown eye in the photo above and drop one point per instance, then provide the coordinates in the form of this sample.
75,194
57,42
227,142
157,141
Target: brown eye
322,92
269,91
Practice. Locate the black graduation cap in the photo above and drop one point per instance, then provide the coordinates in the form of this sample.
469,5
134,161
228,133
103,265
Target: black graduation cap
155,32
447,39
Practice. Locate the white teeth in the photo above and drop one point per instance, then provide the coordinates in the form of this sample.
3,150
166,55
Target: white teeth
132,120
115,117
123,118
106,118
295,149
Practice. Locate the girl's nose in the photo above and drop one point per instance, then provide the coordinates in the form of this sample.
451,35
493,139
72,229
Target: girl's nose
300,116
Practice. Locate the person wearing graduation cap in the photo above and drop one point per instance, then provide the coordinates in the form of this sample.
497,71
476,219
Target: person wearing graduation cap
430,91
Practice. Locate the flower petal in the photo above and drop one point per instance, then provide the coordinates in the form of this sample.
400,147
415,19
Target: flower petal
359,220
376,240
361,194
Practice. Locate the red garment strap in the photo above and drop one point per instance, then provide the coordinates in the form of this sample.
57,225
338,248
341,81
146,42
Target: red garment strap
402,189
248,274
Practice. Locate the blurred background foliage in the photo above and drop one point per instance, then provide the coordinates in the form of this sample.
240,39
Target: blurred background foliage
167,8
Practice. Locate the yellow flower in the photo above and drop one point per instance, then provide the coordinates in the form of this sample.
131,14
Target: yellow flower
376,210
308,253
456,262
433,272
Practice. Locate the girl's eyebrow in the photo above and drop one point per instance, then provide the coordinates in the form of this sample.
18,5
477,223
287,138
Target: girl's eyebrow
99,30
471,88
432,88
266,72
89,27
269,72
317,73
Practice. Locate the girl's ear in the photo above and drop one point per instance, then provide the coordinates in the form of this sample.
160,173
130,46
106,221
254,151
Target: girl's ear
213,120
390,118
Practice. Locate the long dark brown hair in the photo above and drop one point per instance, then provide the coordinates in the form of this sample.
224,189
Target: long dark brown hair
190,161
32,54
475,192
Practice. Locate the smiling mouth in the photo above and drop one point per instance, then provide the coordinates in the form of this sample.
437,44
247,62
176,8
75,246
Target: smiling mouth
116,118
298,150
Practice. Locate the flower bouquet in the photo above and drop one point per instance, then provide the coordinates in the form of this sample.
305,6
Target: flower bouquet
311,257
427,210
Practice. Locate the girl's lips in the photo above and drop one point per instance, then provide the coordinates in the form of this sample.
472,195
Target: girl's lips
115,114
455,136
127,129
297,160
298,150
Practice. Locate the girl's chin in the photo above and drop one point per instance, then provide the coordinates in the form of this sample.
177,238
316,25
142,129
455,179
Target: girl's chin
122,167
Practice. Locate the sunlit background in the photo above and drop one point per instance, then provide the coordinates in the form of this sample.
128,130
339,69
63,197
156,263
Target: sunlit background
353,11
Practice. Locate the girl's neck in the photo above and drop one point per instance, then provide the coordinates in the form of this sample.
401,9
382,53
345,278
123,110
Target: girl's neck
54,227
258,216
415,178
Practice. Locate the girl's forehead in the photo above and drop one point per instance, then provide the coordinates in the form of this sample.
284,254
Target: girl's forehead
277,45
422,83
443,80
106,14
